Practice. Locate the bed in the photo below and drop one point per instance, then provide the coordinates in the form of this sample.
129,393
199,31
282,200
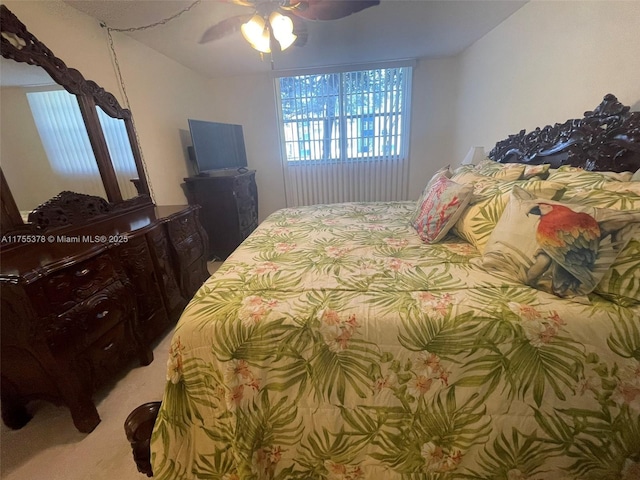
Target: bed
359,341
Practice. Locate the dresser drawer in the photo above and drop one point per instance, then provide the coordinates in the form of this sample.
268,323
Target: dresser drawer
81,325
245,203
136,260
75,284
194,276
190,249
248,222
182,227
106,356
167,277
246,232
242,186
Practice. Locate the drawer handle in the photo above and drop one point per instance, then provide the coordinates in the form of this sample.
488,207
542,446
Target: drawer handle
83,272
108,347
103,314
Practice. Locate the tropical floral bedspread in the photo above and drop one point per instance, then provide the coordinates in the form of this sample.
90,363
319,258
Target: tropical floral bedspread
334,344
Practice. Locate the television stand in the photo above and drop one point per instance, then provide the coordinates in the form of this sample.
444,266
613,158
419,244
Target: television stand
229,201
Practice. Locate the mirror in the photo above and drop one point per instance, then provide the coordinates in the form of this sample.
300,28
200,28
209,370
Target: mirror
121,153
60,132
45,145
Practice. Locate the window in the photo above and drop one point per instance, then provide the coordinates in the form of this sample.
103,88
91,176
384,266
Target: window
346,116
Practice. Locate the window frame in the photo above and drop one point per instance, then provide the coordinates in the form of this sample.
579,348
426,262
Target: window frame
343,140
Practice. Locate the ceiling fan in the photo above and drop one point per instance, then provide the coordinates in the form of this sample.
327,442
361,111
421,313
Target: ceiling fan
278,24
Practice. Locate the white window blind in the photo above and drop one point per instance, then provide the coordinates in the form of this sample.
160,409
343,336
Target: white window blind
115,134
345,135
64,137
63,134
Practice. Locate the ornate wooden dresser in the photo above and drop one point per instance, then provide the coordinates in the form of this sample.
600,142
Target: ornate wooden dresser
79,304
92,279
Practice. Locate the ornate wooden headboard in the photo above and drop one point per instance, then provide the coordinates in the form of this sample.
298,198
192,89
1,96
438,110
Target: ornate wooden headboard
606,139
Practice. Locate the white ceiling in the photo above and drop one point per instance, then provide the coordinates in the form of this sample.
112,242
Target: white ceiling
395,29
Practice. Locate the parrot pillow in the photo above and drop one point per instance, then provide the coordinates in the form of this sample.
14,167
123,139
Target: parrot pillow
621,283
561,248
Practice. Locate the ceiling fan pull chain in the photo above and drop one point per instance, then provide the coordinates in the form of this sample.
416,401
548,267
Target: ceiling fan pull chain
116,66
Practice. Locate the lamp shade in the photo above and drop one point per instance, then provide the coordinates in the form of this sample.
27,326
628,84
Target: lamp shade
282,28
474,156
256,32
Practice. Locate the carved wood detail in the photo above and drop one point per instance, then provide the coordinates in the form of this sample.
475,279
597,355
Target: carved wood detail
138,427
163,261
18,44
606,139
75,314
83,323
187,238
138,265
69,208
64,289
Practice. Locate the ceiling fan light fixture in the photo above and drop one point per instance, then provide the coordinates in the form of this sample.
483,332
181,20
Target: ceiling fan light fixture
256,32
282,27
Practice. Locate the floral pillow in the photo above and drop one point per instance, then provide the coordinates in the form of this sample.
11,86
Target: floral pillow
443,172
444,203
561,248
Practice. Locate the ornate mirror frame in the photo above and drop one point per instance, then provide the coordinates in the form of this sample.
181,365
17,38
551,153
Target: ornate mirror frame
18,44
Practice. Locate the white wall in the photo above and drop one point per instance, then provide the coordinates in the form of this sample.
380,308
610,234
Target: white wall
249,100
548,62
433,117
163,93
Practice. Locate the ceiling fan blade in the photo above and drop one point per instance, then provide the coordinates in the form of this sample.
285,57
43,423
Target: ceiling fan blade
329,9
300,30
224,28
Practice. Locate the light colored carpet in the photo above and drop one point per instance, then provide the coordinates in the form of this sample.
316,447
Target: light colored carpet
50,448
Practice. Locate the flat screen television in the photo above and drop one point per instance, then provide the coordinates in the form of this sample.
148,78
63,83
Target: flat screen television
217,146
